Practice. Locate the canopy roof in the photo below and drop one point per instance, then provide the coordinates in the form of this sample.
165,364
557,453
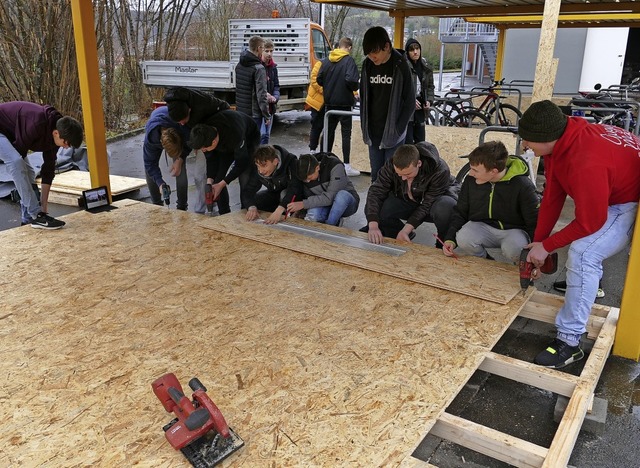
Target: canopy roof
510,13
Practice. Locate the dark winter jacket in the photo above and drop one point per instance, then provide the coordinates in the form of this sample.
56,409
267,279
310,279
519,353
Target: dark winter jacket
30,126
238,135
433,180
510,203
152,148
331,180
201,103
273,83
339,78
283,178
251,86
401,105
424,73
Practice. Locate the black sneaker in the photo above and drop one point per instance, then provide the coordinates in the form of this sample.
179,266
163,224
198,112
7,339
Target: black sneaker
44,221
558,354
561,286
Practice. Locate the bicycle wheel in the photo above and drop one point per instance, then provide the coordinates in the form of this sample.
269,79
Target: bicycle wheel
509,116
470,119
463,173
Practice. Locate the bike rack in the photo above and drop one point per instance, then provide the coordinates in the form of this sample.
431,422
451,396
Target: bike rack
613,110
325,123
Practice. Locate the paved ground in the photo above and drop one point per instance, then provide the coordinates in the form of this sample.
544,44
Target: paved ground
487,399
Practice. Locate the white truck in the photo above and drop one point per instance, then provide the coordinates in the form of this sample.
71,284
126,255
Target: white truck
298,44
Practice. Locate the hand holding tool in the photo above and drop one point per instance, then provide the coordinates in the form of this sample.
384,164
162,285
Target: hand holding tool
166,194
286,215
527,268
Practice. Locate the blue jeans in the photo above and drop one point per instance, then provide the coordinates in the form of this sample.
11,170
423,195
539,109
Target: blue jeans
584,269
23,177
344,205
378,156
265,131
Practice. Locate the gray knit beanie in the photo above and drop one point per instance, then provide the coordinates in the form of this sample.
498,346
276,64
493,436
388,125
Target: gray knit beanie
542,122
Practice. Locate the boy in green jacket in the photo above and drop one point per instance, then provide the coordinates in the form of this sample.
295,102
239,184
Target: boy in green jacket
497,206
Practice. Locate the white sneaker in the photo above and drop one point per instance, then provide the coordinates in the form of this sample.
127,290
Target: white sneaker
312,151
351,172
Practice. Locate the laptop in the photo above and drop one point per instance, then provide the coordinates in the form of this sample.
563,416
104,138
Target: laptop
96,200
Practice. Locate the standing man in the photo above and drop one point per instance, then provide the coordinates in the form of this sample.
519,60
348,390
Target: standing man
163,133
423,76
387,97
415,185
315,101
273,89
598,167
26,126
228,139
339,79
251,83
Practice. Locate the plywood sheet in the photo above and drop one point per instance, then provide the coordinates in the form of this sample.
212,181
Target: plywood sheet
312,362
74,182
420,264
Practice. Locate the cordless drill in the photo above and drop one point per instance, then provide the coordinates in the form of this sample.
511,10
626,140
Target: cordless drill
526,268
209,199
166,194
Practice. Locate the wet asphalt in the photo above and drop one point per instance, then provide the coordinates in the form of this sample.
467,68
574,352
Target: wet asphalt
493,401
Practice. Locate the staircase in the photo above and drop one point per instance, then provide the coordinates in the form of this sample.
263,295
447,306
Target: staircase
489,53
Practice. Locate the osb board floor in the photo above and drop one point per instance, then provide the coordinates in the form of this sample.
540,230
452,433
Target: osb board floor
74,182
421,264
312,362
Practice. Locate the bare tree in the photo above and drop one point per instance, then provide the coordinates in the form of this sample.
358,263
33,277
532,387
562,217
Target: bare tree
37,51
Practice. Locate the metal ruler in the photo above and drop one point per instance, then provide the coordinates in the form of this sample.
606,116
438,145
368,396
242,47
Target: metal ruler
338,238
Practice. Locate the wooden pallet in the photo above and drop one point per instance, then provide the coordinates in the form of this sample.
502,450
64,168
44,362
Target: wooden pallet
68,186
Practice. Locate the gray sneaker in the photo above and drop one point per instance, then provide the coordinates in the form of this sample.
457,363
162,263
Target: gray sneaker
44,221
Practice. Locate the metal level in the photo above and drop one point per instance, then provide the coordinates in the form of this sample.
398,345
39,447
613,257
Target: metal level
338,238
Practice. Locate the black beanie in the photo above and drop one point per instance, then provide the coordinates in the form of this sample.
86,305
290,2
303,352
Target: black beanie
542,122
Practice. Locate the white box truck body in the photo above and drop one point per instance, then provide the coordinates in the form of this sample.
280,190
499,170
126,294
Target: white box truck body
298,44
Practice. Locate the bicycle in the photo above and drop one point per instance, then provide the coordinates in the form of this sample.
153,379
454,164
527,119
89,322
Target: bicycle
490,112
454,112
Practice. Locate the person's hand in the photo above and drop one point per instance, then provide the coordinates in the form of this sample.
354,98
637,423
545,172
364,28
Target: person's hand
276,216
403,235
427,105
294,207
252,214
537,255
270,98
447,248
375,234
217,188
176,167
418,105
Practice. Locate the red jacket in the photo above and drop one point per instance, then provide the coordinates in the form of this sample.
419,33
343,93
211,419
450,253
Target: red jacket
596,165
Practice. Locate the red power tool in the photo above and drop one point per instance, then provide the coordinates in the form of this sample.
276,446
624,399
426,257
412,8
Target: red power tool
526,268
200,431
209,199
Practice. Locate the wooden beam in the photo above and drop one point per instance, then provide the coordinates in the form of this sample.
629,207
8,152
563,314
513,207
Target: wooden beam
627,342
530,374
398,32
546,65
547,314
90,92
488,441
533,19
567,433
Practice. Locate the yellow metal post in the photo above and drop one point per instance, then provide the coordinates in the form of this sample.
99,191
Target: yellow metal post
398,33
627,342
502,32
90,92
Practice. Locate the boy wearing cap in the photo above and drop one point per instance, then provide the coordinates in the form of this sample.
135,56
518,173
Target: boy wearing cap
497,206
328,194
24,127
597,166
